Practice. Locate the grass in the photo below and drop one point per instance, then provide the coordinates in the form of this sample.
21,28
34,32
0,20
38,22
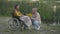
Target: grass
5,30
56,27
46,29
2,16
52,29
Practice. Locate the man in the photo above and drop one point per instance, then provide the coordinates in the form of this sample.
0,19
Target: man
36,19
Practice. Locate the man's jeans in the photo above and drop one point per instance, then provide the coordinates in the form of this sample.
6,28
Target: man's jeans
36,24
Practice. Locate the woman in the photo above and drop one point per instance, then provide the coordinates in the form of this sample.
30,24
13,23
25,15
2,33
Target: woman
17,14
36,19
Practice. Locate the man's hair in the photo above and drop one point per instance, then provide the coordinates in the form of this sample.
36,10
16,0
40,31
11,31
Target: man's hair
34,8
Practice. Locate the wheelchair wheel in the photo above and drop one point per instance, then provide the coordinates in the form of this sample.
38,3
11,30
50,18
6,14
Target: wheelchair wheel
13,23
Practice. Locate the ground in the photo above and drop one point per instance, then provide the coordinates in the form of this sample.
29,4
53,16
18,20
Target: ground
45,29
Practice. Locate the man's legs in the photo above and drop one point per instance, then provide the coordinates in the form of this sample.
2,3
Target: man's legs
36,25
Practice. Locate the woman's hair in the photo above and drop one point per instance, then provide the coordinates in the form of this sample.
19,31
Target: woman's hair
16,6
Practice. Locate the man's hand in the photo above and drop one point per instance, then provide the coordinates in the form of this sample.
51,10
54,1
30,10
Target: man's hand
32,18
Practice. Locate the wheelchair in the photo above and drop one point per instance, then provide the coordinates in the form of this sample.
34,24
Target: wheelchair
14,23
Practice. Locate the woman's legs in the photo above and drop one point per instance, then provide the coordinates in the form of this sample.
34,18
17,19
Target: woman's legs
27,21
